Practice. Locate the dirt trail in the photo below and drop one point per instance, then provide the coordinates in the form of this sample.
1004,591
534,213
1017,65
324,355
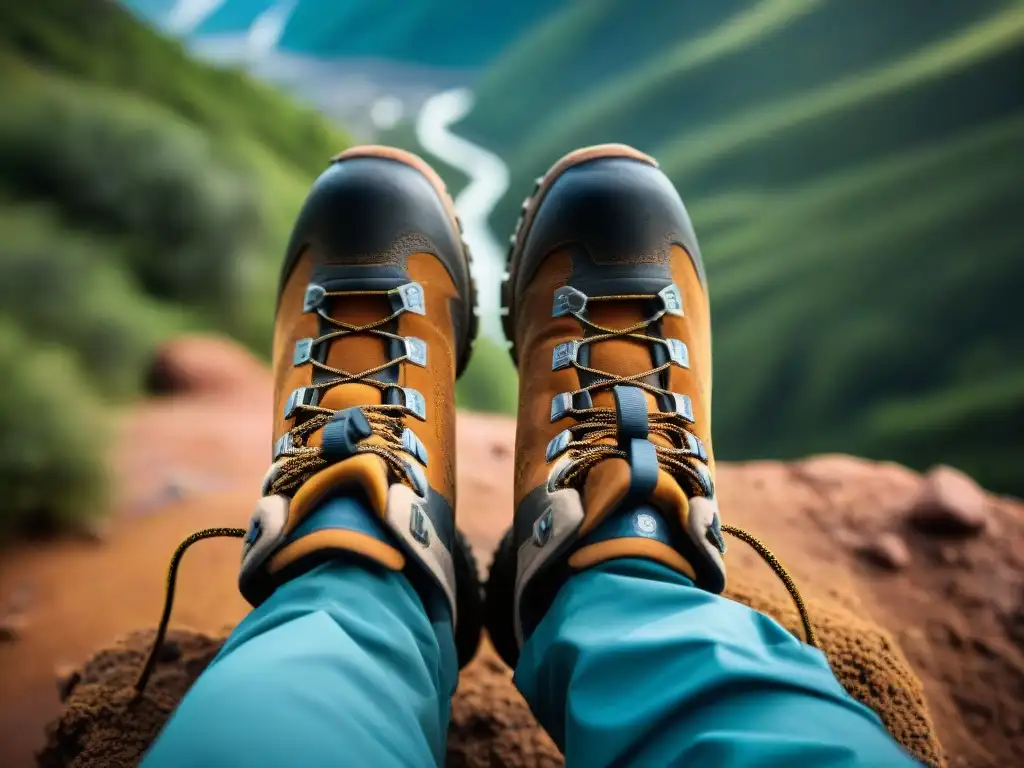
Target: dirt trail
951,596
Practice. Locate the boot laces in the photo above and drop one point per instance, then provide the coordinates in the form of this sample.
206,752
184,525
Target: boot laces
172,578
595,427
302,461
386,420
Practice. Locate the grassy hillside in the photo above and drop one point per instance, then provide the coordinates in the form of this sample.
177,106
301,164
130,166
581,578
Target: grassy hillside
446,34
141,194
96,41
196,172
853,172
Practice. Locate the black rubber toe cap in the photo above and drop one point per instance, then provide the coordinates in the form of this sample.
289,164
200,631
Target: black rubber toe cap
621,211
360,207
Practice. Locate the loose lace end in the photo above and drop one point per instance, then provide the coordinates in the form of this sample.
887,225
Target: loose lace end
172,577
769,557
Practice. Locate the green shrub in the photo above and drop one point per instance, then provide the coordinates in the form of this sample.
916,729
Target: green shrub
97,41
142,194
490,382
182,215
64,287
52,439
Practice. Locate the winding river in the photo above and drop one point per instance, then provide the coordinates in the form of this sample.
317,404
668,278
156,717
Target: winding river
488,180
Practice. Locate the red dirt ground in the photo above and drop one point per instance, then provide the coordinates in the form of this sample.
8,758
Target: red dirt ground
951,594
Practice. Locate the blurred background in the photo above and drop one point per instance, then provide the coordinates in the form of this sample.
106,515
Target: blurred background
853,169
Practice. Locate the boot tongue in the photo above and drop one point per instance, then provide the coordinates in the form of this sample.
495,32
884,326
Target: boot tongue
355,353
621,356
613,480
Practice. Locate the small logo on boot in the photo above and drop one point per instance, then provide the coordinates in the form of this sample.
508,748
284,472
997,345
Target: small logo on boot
254,532
645,524
543,527
418,525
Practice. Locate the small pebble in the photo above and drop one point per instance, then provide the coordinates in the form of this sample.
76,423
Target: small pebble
887,551
12,627
950,504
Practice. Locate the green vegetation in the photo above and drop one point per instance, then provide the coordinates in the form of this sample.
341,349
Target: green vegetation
854,180
61,288
490,382
52,438
141,194
95,41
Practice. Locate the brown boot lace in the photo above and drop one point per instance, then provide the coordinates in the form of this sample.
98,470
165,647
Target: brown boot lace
597,424
172,578
685,460
385,420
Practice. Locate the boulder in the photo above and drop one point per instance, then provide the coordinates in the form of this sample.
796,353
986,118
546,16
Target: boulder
193,365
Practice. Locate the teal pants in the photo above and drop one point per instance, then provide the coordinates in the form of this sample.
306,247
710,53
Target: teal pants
344,666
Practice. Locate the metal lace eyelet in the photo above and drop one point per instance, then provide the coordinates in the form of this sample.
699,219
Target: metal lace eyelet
416,351
303,351
681,405
558,473
409,398
678,354
313,298
409,298
564,355
299,397
558,445
671,300
412,445
568,301
284,444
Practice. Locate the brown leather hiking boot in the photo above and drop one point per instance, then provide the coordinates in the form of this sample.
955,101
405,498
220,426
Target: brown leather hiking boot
375,320
608,316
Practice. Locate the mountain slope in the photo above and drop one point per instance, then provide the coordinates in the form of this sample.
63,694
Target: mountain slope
142,194
852,170
434,33
849,167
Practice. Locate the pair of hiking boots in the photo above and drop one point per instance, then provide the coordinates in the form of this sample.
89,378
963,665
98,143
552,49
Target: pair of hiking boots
608,320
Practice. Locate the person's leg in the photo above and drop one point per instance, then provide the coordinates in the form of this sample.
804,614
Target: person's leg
630,655
340,666
633,665
342,661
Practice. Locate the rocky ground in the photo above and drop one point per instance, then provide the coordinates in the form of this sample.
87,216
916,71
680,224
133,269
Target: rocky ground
932,559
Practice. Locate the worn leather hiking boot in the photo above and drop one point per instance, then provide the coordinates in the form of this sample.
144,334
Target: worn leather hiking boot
375,320
609,322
